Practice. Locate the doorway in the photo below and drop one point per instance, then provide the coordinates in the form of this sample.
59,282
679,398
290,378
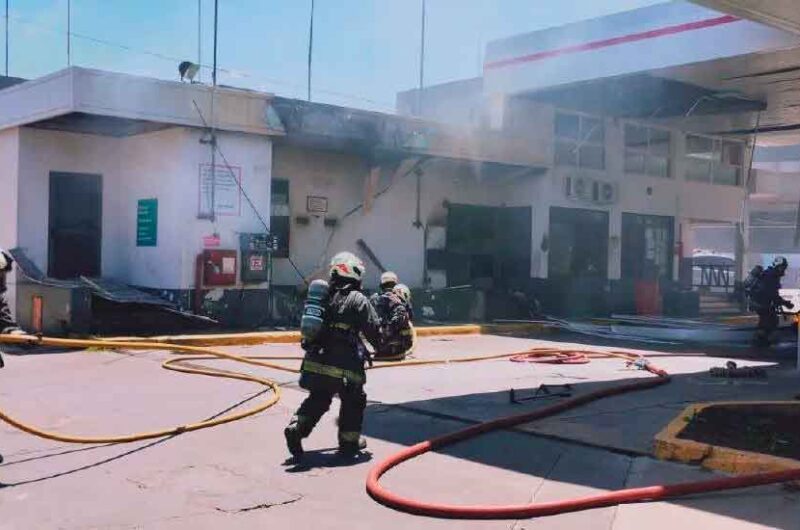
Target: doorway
75,234
488,242
647,246
578,243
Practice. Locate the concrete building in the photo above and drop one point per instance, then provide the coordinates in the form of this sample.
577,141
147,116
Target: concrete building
661,106
109,176
579,169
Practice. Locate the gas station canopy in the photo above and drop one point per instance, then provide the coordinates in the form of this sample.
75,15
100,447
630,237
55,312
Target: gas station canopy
782,14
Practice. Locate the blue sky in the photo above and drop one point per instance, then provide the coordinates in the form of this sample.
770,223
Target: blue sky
365,51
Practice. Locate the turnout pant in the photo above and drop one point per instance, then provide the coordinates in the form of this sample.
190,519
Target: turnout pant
7,321
767,323
351,412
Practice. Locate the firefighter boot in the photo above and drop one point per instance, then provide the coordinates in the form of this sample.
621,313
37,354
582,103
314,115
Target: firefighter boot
351,449
294,442
294,438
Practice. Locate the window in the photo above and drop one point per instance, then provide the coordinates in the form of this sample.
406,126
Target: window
580,141
647,151
279,219
714,161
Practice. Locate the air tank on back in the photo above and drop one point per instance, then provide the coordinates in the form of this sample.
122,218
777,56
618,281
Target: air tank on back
313,319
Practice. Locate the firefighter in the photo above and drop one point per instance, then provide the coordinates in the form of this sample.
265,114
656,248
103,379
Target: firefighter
388,281
334,360
404,293
7,323
399,324
393,314
766,300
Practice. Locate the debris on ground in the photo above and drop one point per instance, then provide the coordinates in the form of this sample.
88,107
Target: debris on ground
543,392
731,370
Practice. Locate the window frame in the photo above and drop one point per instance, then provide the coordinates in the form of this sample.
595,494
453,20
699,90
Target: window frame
584,139
284,219
646,151
717,160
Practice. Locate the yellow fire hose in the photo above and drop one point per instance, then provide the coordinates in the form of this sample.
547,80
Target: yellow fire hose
197,353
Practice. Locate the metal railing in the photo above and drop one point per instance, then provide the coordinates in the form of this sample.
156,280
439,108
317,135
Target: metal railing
715,277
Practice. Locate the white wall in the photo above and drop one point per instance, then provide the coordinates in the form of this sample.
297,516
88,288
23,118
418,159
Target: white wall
163,165
388,229
9,159
101,93
460,103
253,156
41,152
686,201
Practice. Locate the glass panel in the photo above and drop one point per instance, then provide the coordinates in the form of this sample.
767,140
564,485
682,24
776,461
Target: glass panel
279,227
560,262
724,174
698,170
657,166
280,197
592,156
699,147
659,143
566,154
567,126
635,137
592,130
634,162
732,153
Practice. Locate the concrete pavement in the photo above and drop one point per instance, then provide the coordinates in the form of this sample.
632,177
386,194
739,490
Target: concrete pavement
237,475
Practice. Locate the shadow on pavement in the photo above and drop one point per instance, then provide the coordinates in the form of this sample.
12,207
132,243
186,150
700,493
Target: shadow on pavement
324,458
603,445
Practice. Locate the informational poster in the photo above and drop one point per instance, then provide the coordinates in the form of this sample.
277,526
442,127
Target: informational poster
316,204
147,223
228,265
220,185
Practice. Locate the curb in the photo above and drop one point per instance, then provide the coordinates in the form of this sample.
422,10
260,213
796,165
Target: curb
293,337
667,446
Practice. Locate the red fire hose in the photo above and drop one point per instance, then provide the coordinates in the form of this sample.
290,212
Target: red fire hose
571,357
525,511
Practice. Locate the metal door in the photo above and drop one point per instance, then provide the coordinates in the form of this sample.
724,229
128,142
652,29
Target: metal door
75,225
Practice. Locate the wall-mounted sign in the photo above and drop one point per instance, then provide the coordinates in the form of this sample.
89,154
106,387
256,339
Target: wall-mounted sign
211,241
147,223
227,195
257,262
316,204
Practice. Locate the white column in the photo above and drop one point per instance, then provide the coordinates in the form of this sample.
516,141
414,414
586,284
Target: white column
9,201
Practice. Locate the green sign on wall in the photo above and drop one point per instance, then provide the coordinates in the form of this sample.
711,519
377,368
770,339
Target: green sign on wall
147,223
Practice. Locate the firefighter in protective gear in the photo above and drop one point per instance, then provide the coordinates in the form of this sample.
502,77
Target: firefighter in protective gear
7,322
404,293
766,300
334,360
395,321
388,281
399,335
